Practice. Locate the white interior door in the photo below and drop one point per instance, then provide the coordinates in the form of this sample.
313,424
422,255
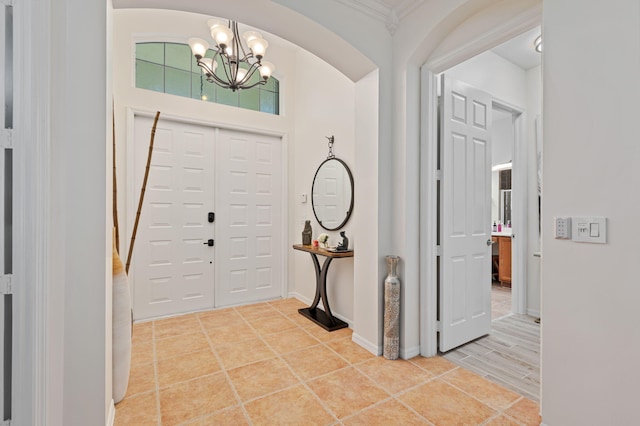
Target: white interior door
172,267
465,215
249,218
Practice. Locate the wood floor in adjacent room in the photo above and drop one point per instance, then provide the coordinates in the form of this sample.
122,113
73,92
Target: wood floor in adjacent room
510,355
265,364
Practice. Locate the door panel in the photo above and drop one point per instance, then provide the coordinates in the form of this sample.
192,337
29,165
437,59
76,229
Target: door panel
249,200
173,269
465,274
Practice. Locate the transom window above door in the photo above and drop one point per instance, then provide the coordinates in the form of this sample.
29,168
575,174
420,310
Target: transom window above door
171,68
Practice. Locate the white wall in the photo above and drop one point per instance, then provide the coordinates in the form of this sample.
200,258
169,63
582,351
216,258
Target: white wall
495,75
324,106
374,109
316,101
501,140
590,293
80,263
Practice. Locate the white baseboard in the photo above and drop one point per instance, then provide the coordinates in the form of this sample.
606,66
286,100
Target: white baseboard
374,349
409,352
111,419
533,313
300,297
307,301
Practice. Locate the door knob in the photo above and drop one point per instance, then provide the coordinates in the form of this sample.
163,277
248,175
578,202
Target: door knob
209,242
490,242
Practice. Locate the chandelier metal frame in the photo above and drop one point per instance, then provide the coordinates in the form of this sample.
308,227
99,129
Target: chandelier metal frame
239,63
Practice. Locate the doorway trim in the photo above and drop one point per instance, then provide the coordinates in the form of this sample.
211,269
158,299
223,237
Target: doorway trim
429,240
519,214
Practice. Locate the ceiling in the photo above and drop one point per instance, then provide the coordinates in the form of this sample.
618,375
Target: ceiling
518,50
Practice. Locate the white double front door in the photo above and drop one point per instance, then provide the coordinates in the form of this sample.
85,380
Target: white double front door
204,184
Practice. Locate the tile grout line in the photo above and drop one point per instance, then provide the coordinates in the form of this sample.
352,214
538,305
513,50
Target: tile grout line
226,374
357,366
296,375
156,374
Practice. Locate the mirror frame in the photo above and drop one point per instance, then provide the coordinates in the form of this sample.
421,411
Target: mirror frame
346,219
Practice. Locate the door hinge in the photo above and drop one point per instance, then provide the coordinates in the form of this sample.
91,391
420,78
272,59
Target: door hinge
6,138
438,250
438,326
6,3
5,288
438,174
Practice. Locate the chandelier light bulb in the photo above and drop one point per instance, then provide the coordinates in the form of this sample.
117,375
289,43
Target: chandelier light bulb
210,64
250,35
242,73
198,46
222,35
258,46
266,69
214,22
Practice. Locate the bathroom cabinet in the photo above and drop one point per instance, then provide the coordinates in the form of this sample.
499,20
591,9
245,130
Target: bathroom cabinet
504,260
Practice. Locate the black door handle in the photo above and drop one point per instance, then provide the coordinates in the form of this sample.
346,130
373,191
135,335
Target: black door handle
209,242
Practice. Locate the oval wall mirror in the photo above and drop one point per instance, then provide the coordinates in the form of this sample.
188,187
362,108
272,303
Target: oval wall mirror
332,194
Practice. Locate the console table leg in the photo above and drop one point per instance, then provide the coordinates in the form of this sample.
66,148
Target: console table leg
322,285
316,299
325,318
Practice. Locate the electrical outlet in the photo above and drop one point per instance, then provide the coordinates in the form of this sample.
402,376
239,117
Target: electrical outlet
563,228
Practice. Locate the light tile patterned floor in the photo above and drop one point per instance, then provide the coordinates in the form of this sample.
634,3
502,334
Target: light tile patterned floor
510,355
265,364
500,301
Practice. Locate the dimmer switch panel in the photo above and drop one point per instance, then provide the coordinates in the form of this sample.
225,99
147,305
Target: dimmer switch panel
563,228
590,229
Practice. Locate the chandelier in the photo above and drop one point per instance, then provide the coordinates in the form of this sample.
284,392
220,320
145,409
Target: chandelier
238,63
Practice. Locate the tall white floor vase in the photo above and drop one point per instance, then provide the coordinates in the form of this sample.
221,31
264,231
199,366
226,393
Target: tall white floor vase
121,317
391,348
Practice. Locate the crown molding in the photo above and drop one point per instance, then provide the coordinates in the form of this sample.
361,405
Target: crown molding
389,12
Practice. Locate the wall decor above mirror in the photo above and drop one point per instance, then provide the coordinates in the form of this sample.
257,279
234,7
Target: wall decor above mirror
332,192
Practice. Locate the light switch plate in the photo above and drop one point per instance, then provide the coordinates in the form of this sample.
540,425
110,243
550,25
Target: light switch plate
589,229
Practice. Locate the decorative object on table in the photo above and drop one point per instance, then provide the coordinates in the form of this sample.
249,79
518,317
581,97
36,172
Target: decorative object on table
332,192
315,243
323,240
238,64
306,233
344,244
391,341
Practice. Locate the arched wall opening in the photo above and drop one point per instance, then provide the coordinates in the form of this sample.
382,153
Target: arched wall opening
462,34
347,59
